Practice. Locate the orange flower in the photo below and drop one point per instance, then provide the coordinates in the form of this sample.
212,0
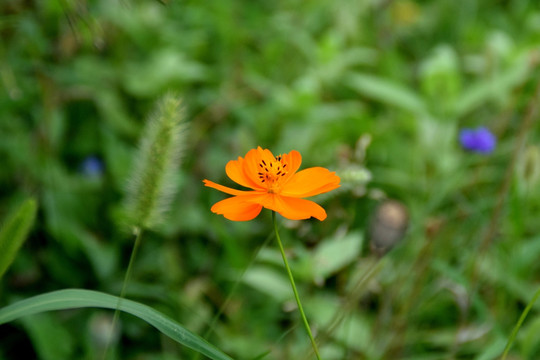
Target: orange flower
276,186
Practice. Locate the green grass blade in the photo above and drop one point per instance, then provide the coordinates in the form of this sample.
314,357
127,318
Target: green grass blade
77,298
14,233
519,323
386,91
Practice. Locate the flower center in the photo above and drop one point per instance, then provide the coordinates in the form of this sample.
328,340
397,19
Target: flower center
271,173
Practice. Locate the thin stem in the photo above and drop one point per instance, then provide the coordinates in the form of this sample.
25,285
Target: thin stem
519,323
494,225
291,279
526,125
138,235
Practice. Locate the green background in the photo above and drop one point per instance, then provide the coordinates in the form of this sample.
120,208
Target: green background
375,90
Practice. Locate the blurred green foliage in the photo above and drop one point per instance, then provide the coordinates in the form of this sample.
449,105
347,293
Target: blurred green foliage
14,232
376,90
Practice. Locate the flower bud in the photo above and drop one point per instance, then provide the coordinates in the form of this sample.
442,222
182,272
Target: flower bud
388,226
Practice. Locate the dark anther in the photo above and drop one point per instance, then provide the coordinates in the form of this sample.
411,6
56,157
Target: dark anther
283,174
262,180
279,172
264,163
284,165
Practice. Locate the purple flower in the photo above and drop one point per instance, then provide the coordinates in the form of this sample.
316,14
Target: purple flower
479,140
92,166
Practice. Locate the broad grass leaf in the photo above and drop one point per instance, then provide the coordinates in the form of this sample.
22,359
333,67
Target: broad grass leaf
14,233
164,69
354,329
263,355
45,331
334,254
387,92
496,87
526,256
77,298
502,274
530,346
492,351
269,281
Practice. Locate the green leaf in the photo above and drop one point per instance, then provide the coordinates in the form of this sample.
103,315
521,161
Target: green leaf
14,232
497,87
263,355
387,92
78,298
354,329
529,341
44,330
334,254
269,281
492,350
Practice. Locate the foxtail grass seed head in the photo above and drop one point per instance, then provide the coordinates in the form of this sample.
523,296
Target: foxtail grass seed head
528,167
152,185
388,226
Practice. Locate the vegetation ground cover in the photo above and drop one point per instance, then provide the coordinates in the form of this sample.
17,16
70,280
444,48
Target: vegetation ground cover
375,90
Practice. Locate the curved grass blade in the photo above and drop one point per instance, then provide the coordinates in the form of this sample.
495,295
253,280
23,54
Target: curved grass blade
262,356
519,323
14,233
78,298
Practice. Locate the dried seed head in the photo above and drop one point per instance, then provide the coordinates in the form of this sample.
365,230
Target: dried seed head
388,226
528,167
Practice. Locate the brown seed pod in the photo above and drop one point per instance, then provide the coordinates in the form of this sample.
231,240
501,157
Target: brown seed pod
388,226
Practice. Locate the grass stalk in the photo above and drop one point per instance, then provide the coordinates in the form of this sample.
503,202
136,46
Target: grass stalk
518,325
138,235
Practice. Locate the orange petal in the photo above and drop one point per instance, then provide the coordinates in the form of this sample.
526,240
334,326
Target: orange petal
252,164
236,208
291,208
225,189
299,209
266,155
235,171
293,161
309,182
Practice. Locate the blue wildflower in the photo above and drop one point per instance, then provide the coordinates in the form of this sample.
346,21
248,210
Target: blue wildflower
92,166
479,140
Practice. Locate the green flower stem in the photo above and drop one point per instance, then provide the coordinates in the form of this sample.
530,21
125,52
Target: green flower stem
306,324
519,323
138,235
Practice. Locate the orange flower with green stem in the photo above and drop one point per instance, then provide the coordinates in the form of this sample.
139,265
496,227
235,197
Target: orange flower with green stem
277,185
